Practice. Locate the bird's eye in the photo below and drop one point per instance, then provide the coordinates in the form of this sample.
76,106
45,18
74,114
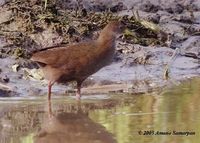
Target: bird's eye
121,27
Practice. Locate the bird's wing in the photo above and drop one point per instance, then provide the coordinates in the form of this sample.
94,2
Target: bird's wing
60,56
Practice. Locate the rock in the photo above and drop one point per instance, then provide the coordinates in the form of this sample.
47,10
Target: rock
194,29
185,63
67,4
100,7
175,8
5,15
118,7
149,56
172,27
3,42
4,79
195,5
155,18
128,48
140,57
32,91
184,19
191,47
149,7
47,38
143,86
15,67
2,2
176,41
6,91
195,16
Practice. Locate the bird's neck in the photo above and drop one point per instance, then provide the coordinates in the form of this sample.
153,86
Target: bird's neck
106,40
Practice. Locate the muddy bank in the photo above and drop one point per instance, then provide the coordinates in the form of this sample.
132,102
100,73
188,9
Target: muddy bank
142,51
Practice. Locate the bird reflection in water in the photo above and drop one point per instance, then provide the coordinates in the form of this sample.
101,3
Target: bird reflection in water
72,128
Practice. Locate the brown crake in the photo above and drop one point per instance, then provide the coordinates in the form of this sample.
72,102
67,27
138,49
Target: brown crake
78,61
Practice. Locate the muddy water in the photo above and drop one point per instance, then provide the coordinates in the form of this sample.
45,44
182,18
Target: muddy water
105,118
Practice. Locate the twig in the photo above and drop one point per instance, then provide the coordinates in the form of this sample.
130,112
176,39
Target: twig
173,57
6,87
45,4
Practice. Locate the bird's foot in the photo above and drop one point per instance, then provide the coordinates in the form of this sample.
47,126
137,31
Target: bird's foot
78,96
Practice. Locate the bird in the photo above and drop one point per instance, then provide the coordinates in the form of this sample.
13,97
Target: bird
72,128
76,62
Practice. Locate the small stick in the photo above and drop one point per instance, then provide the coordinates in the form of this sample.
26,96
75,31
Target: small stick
45,4
173,57
6,87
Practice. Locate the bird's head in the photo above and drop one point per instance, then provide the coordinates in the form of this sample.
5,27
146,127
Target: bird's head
111,30
116,27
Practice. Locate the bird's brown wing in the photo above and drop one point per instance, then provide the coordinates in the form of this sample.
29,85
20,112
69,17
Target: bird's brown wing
60,56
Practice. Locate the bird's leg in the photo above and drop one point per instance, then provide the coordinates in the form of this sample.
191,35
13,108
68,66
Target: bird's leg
49,109
49,90
78,92
49,98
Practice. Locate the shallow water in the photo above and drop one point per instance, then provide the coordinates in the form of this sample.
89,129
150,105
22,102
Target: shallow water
104,118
